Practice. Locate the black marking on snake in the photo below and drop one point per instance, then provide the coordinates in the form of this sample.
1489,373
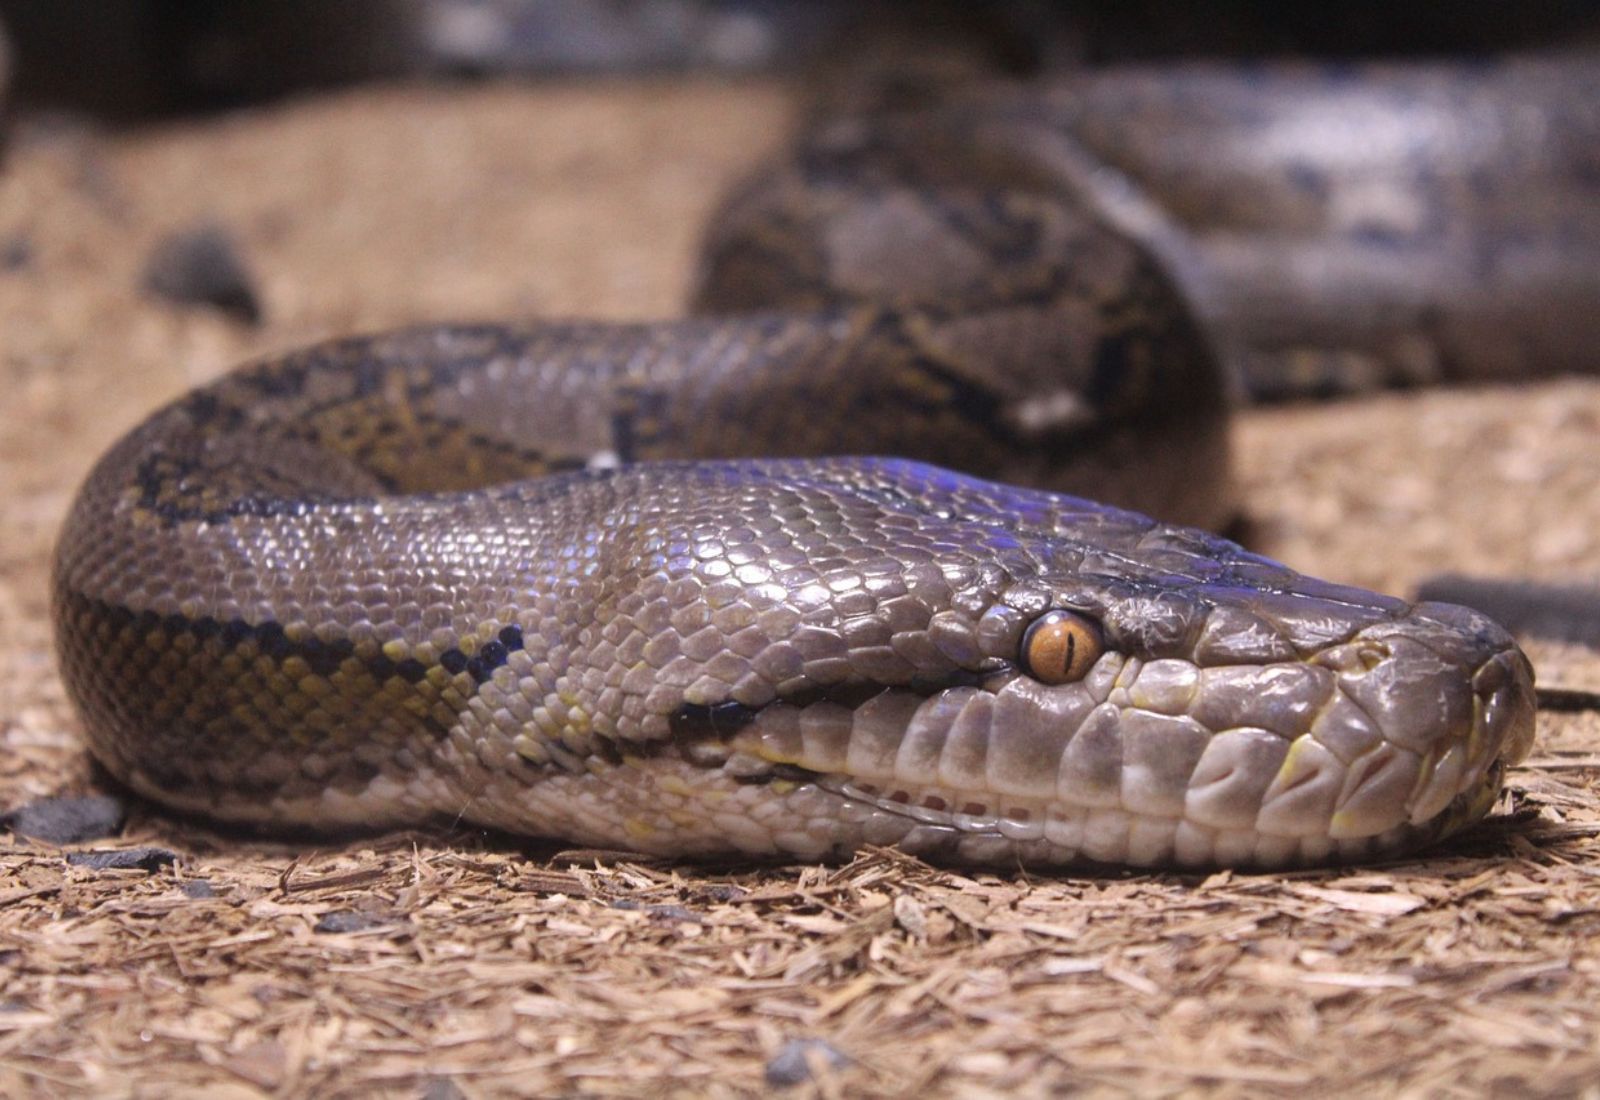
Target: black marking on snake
481,665
1008,238
606,749
719,721
286,379
207,410
851,694
624,436
161,475
433,427
975,403
636,422
1111,372
490,657
369,370
324,657
568,465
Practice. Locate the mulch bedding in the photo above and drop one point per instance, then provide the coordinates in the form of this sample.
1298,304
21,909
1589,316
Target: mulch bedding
449,963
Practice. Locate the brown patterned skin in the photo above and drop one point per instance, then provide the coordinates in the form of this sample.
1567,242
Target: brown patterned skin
401,576
1337,227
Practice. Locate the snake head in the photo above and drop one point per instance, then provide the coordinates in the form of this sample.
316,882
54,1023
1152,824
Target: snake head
982,673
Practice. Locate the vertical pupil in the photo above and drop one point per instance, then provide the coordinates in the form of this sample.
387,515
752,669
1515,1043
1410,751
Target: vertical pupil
1066,655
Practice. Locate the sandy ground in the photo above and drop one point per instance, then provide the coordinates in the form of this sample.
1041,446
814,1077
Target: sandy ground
476,967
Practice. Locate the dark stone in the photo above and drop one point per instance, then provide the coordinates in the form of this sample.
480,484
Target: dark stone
123,859
666,912
16,252
792,1064
203,266
67,820
442,1088
348,920
199,889
674,912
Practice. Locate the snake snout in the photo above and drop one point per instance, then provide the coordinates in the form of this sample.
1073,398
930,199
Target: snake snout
1502,675
1451,697
1503,687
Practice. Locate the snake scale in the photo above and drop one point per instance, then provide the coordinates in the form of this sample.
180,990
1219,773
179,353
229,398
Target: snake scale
551,578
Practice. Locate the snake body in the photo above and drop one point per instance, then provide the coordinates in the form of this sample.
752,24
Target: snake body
545,578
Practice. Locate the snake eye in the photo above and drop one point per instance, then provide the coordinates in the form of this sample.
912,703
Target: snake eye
1061,646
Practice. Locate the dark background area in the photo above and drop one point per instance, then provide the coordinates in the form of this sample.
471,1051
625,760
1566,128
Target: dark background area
136,59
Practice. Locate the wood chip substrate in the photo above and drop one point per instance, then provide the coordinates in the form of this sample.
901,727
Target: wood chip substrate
453,964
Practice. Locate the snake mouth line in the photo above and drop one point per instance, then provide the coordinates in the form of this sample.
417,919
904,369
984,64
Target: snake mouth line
697,722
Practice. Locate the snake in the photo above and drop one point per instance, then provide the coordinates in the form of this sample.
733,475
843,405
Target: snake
860,551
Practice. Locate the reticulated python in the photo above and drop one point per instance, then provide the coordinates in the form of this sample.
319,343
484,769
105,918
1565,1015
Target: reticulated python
542,578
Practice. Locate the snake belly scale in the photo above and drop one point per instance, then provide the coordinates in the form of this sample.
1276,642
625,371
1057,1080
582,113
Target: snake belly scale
545,579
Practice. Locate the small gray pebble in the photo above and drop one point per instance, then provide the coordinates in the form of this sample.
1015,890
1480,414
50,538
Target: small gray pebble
16,252
203,266
441,1088
790,1065
666,912
348,920
674,912
123,859
67,820
198,888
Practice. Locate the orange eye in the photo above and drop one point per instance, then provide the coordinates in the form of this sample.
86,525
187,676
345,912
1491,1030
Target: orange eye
1061,646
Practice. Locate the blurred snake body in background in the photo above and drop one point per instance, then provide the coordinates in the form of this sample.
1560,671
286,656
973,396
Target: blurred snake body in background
601,582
